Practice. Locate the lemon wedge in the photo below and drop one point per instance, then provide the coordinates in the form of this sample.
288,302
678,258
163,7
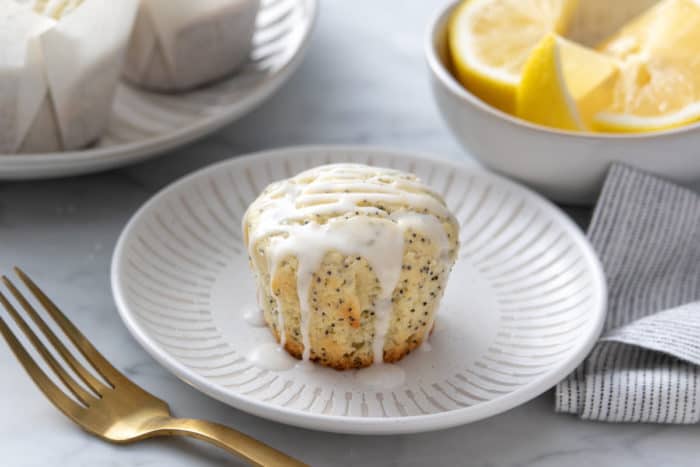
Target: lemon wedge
659,83
490,41
565,84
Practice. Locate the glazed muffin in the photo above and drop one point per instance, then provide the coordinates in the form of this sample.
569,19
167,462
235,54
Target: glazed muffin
177,45
59,68
350,262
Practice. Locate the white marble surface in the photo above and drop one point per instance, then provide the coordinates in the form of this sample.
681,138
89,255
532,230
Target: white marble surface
363,82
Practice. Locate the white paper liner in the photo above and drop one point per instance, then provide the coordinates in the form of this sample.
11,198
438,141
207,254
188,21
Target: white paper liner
58,79
180,44
44,134
22,83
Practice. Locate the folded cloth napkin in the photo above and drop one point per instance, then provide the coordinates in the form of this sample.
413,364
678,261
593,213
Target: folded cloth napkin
646,367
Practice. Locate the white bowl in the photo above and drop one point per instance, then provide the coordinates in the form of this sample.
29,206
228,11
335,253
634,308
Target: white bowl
566,166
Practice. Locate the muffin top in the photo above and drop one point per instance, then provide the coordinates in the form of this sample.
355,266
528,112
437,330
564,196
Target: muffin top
352,208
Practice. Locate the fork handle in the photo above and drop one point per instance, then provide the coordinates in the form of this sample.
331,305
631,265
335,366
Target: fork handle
252,450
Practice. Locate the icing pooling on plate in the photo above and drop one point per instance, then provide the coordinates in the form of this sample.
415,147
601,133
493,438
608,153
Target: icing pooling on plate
382,376
254,317
270,356
339,208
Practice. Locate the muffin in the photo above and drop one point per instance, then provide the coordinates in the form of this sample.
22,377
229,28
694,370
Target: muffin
350,262
59,68
177,45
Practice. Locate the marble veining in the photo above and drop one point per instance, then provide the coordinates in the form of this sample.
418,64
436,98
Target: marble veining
363,82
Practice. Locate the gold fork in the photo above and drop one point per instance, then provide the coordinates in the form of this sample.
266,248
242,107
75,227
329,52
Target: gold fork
115,409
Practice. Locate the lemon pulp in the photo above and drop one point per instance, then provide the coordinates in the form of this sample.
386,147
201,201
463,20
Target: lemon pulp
659,82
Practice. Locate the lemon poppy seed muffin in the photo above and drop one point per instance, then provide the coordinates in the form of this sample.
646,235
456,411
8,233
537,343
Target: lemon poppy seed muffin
350,262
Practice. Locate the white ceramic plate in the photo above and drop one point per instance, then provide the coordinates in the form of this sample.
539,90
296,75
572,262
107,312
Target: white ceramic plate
523,307
144,124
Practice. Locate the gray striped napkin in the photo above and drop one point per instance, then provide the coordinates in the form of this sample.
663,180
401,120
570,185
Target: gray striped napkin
646,367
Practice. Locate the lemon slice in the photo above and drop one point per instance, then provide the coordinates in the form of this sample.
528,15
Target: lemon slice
490,41
564,84
659,84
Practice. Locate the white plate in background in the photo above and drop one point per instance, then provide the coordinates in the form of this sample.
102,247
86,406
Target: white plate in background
144,124
523,307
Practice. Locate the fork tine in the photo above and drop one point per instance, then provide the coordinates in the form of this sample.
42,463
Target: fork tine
95,358
64,403
82,395
92,382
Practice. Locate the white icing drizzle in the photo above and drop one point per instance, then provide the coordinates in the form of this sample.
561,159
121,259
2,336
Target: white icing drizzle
287,214
254,317
270,356
382,321
381,376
